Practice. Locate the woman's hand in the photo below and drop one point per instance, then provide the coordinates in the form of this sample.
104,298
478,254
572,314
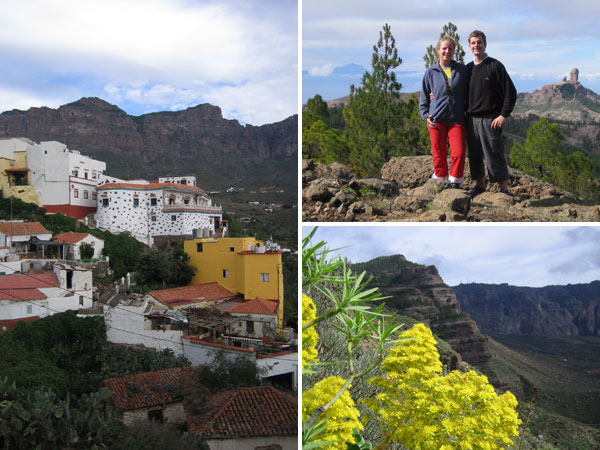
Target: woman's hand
430,123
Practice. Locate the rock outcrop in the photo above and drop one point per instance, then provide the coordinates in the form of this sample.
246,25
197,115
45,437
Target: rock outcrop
567,100
406,192
572,310
419,292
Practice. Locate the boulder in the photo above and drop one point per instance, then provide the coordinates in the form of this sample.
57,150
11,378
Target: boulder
454,200
383,187
321,189
408,171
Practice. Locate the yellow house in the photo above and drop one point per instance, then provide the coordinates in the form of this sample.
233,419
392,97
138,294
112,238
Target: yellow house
241,265
15,178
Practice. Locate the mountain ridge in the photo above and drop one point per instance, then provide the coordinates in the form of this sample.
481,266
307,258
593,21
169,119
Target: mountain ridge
197,140
571,310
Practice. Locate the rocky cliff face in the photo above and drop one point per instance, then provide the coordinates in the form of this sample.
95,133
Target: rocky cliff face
419,292
197,140
572,310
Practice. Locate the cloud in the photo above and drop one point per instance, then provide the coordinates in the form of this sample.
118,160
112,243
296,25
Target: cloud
519,255
321,71
165,46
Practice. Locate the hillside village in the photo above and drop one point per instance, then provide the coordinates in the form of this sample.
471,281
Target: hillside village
232,309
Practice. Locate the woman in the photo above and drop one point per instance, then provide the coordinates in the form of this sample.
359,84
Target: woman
442,106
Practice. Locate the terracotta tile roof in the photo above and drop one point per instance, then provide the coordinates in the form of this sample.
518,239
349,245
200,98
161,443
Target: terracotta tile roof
144,390
33,281
256,306
22,228
246,412
69,237
9,324
192,294
19,295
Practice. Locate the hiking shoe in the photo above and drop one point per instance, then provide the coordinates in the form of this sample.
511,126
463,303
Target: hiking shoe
476,191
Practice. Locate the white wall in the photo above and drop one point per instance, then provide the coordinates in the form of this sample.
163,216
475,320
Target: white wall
127,325
286,443
261,322
97,245
9,146
53,167
279,365
203,355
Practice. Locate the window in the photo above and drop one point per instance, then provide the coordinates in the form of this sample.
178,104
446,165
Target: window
232,249
173,218
153,218
186,201
29,309
155,415
85,174
249,326
104,202
225,273
199,247
171,201
85,194
94,195
81,300
152,202
264,277
76,193
136,202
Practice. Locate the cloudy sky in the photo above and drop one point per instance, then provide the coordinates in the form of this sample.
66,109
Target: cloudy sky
519,255
152,55
539,41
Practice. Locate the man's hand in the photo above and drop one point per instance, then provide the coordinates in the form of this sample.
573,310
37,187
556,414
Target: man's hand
498,122
430,123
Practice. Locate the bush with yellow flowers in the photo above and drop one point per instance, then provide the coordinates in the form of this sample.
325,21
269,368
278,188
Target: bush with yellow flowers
424,409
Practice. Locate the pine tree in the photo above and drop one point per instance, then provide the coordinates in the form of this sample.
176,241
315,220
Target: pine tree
373,118
316,109
459,55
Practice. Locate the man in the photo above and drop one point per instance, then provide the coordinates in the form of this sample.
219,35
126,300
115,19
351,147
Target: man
492,97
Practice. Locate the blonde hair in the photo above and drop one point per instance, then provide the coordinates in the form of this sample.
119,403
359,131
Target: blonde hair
448,38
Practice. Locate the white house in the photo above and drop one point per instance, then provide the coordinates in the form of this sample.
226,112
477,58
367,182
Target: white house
155,209
72,244
141,322
18,236
65,180
32,296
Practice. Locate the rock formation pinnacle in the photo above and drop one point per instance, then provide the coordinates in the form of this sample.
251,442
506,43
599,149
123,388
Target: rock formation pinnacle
575,75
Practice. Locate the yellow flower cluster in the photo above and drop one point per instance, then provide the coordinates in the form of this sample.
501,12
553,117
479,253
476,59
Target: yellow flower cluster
424,410
310,338
341,418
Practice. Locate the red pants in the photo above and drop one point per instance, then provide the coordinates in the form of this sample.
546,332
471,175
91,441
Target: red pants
442,135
